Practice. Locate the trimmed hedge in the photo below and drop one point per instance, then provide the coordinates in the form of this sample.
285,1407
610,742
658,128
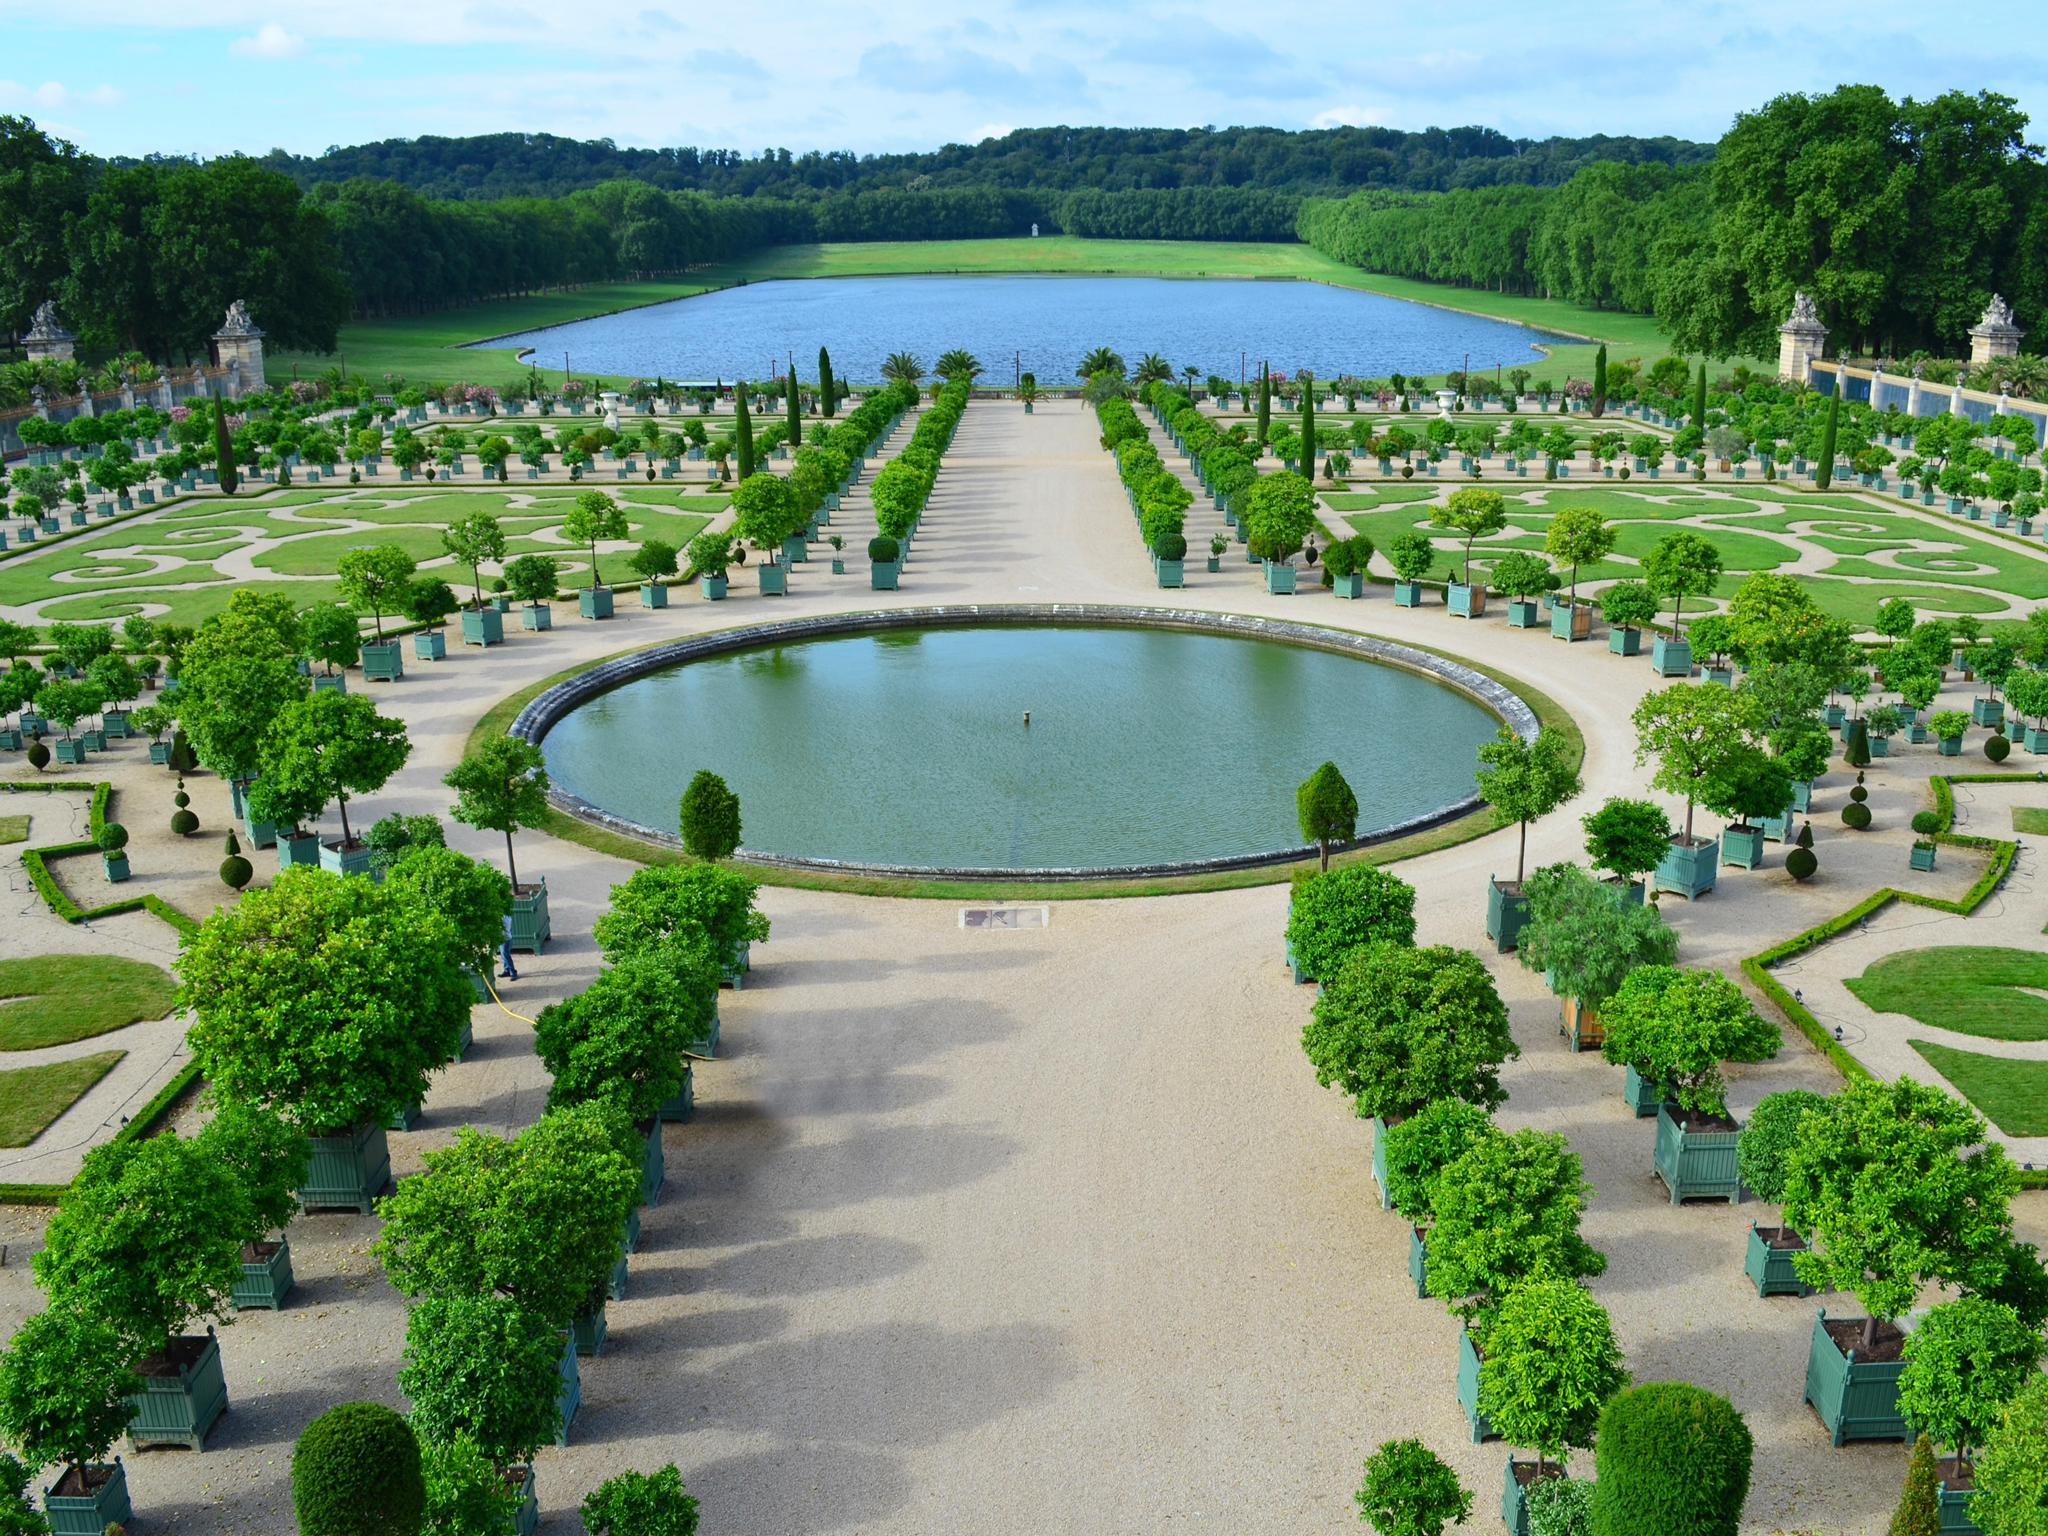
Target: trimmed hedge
356,1472
1673,1460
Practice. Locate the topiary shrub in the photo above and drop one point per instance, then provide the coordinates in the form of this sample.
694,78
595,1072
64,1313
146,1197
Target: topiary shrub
1856,816
1800,864
1673,1460
1857,792
235,871
183,822
882,550
1997,748
1772,1129
38,756
1926,823
1172,545
356,1472
113,837
1919,1508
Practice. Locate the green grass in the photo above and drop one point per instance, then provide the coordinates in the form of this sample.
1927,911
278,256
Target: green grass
2013,1095
55,999
192,606
2030,819
2015,571
1367,501
31,1097
1971,990
13,829
1857,602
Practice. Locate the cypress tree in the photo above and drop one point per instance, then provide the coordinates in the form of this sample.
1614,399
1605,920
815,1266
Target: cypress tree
1265,404
1308,428
1824,472
1699,400
796,413
224,448
1919,1511
1600,382
827,405
742,430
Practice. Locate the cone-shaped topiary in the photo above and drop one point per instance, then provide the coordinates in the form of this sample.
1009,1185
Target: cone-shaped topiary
1919,1511
1673,1459
1856,744
1806,834
356,1472
232,845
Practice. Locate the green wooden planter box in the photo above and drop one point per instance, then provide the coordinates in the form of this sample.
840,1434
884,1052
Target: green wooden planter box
500,603
115,866
114,725
707,1044
615,1288
569,1396
1987,712
1641,1095
526,1513
1514,1500
588,1331
1379,1161
180,1409
89,1514
537,616
653,1167
1835,714
1625,640
70,750
796,548
1466,602
349,1170
734,974
1776,829
594,602
773,580
403,1119
1571,621
485,627
1802,795
712,588
1671,658
303,849
1523,615
1407,594
383,663
1921,857
1418,1261
334,683
1469,1366
1279,578
1954,1505
1949,746
1169,572
1695,1164
1506,912
1725,676
1690,871
1880,746
1743,846
653,594
682,1104
345,861
266,1277
1352,586
530,926
429,645
1856,1399
1771,1268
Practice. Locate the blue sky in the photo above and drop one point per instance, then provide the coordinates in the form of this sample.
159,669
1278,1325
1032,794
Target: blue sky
213,76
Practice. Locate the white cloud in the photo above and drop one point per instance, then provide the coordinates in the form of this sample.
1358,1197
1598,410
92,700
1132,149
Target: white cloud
53,94
270,42
991,131
1348,117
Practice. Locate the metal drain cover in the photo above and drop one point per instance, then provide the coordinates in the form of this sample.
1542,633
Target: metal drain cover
1005,917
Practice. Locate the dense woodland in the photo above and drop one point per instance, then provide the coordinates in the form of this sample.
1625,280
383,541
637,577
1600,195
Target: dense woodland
1902,218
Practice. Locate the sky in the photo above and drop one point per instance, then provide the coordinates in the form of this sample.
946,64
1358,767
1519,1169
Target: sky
217,76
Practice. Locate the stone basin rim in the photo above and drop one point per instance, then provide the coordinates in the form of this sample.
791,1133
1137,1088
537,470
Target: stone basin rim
548,709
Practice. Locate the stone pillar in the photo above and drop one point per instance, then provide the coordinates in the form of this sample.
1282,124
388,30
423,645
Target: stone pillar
1876,383
1995,335
1955,401
1913,393
1801,340
47,340
239,344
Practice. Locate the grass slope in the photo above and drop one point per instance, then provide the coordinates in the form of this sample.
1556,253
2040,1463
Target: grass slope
2013,1095
55,999
31,1097
1971,990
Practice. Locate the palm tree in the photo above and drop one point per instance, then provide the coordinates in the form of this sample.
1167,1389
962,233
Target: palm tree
957,364
1150,367
1101,360
1191,373
903,367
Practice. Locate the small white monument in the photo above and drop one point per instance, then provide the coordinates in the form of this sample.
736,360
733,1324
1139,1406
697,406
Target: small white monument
238,347
610,397
1995,335
1800,340
47,340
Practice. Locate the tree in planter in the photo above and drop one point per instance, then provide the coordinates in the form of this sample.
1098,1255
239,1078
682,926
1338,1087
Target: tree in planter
64,1390
1551,1365
1524,780
533,578
711,554
1326,809
375,579
428,600
709,818
1518,573
1679,566
653,560
1626,838
1584,939
1965,1360
1399,1026
1472,513
535,1218
1411,555
1771,1132
147,1240
324,998
1507,1211
1408,1491
270,1158
1628,605
1696,731
333,635
234,678
1331,914
356,1472
473,897
1422,1146
475,541
323,747
501,785
478,1365
664,902
1578,536
1672,1458
1887,1193
1750,785
2012,1471
1280,514
595,516
764,512
620,1041
1676,1027
466,1491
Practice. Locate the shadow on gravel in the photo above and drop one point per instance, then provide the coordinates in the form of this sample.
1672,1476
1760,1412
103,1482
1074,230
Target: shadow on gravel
798,1489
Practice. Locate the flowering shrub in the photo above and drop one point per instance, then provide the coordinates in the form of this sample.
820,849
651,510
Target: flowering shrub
180,414
575,389
304,391
1578,389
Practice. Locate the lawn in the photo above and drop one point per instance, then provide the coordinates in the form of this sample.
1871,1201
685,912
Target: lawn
55,999
1968,989
31,1097
2013,1095
2030,819
13,829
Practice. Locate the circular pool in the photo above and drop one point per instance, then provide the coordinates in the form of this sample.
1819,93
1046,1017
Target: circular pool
907,745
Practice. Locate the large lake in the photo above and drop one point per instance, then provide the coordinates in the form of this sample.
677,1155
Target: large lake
1042,324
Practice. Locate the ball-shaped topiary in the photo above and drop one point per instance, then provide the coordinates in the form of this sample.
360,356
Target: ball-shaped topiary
1673,1459
1997,748
1172,546
1926,823
1800,864
181,799
1859,794
1772,1128
184,823
38,756
113,837
356,1472
882,550
1856,816
236,872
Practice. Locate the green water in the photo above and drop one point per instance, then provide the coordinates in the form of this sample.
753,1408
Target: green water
910,747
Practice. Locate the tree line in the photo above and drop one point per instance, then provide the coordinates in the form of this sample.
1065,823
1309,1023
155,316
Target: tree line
1900,218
